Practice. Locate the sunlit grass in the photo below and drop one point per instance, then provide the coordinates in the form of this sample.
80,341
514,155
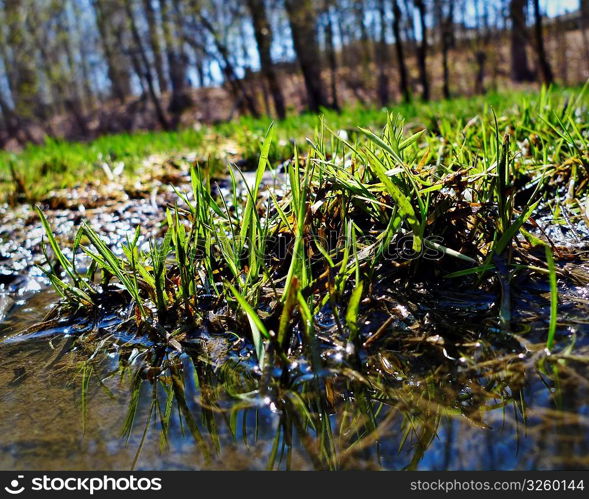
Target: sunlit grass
454,194
32,173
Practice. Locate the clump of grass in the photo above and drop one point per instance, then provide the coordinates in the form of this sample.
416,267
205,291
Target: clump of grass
553,298
379,204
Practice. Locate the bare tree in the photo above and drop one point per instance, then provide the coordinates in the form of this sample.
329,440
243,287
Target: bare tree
422,50
403,80
519,60
359,10
177,58
303,23
331,55
85,51
154,41
382,57
444,11
109,65
244,99
23,76
479,44
147,73
263,36
543,63
110,23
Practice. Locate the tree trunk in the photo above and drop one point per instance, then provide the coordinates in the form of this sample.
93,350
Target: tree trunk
403,81
519,60
543,63
331,57
303,24
85,53
14,125
422,50
584,25
446,21
108,21
360,13
146,68
154,41
25,84
73,99
563,68
479,45
481,59
382,58
263,35
177,62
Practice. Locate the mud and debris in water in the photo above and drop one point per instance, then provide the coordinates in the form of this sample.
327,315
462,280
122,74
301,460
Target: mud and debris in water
437,384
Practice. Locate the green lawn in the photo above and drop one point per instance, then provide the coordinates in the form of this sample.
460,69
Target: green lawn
56,164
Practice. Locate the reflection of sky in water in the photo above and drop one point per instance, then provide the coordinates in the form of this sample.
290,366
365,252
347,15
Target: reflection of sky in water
30,442
508,444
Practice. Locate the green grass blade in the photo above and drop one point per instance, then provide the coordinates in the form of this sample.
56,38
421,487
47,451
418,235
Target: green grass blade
553,298
352,311
257,326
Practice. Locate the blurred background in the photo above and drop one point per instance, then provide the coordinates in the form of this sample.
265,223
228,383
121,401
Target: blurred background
78,69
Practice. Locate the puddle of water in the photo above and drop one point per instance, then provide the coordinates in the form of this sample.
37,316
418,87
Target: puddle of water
409,407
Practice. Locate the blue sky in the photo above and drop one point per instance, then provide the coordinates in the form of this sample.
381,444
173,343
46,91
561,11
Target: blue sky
553,7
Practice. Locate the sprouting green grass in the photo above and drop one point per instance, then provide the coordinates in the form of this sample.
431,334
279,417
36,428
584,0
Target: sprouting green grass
57,164
553,298
350,203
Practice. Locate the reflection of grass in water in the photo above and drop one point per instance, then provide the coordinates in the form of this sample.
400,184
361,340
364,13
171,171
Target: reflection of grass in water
340,419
